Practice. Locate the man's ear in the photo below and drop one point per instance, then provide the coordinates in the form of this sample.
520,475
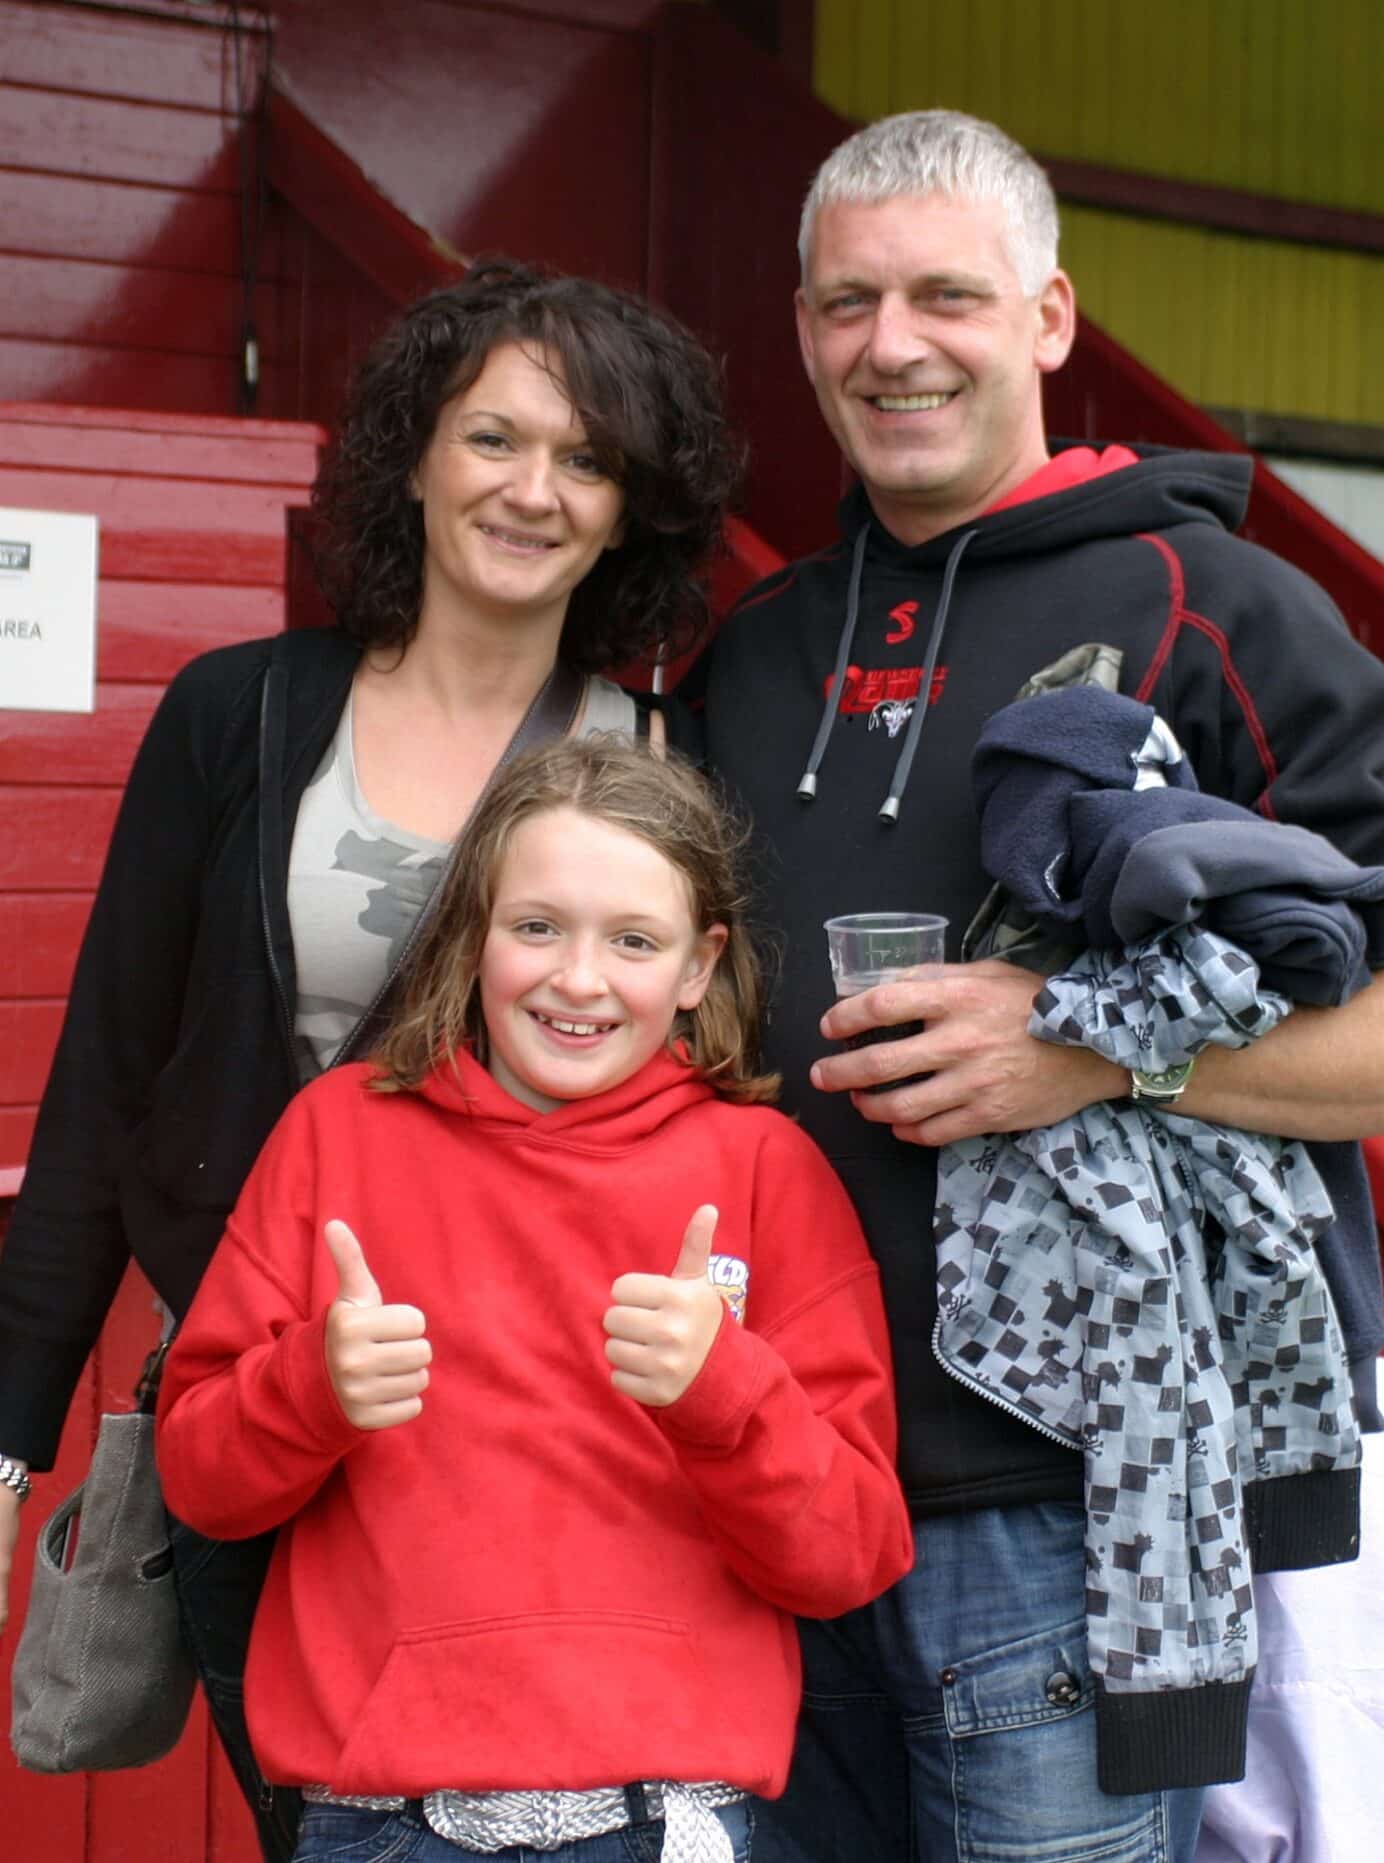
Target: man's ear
1056,323
803,312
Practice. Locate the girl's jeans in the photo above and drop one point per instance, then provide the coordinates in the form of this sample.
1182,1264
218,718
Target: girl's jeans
952,1721
219,1583
338,1834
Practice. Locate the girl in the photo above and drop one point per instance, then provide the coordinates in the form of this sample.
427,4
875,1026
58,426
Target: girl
562,1357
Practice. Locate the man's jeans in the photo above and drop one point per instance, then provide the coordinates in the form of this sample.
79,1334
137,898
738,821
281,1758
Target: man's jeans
953,1720
332,1832
219,1583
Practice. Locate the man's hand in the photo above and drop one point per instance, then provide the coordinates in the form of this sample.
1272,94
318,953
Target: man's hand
662,1326
9,1535
986,1072
377,1356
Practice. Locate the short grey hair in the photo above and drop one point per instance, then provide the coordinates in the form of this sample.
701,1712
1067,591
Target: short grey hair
943,152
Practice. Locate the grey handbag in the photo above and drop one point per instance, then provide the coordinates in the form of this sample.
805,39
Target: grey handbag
102,1678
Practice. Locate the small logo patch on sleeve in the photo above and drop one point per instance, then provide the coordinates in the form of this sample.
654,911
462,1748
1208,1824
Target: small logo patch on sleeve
731,1278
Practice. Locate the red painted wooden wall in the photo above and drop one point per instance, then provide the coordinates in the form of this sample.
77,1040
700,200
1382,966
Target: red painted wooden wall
193,554
119,267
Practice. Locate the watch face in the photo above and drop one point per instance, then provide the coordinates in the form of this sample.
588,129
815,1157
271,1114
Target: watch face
1167,1084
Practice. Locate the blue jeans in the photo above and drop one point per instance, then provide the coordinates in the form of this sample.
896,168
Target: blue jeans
953,1720
219,1583
337,1834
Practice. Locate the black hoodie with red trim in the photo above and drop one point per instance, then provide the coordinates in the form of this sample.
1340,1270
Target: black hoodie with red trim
1274,702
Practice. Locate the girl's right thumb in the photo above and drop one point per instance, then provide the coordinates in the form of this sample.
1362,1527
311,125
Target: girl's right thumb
355,1283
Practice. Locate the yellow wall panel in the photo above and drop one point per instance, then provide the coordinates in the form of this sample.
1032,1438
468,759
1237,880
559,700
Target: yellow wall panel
1274,96
1235,322
1281,97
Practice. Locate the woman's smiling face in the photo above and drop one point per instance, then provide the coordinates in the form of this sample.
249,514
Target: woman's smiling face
591,953
516,508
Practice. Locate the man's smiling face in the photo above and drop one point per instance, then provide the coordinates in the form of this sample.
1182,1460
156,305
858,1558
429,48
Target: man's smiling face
926,355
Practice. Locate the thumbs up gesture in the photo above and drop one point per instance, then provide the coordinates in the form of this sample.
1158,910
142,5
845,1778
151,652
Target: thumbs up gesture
662,1326
377,1355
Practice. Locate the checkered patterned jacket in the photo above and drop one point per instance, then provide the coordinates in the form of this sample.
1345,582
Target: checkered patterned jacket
1143,1287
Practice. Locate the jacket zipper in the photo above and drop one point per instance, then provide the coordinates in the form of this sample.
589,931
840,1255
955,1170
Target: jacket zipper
276,975
986,1390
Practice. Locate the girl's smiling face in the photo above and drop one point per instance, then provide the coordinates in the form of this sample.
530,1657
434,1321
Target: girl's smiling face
591,953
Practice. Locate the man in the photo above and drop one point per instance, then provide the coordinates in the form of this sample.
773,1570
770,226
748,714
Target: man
952,1719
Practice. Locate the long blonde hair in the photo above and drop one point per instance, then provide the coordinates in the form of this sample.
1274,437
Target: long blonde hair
663,801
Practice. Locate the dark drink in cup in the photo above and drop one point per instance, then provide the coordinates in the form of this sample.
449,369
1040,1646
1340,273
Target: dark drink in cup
870,1038
867,948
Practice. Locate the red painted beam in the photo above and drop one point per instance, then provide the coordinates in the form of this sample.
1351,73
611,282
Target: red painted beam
320,181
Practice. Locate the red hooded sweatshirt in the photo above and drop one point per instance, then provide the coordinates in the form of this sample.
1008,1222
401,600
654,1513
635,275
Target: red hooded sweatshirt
538,1583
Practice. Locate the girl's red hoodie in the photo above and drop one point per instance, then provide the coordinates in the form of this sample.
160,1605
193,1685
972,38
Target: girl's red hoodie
538,1583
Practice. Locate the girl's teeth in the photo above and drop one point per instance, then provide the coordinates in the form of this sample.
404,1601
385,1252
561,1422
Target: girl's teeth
577,1028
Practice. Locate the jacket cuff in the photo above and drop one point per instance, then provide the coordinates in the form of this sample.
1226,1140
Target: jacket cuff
1293,1522
710,1415
308,1386
1170,1739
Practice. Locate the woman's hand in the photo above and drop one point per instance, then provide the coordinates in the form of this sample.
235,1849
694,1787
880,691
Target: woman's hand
9,1536
377,1355
662,1326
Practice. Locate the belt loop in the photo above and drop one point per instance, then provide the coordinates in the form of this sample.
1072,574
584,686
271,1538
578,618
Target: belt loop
413,1808
637,1804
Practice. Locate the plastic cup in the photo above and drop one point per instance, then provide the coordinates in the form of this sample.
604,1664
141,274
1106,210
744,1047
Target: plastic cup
867,948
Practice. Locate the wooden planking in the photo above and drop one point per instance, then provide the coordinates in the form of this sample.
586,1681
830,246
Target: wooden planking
120,223
96,440
78,301
87,747
149,630
205,558
39,934
65,832
28,1036
534,127
152,504
153,420
16,1135
195,556
84,372
341,312
142,60
119,246
113,140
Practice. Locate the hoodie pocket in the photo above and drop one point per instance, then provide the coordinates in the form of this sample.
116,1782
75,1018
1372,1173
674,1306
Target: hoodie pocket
528,1701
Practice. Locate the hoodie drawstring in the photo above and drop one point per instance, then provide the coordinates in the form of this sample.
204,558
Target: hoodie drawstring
807,786
889,812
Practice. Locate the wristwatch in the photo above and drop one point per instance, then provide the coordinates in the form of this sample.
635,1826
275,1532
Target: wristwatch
14,1475
1161,1089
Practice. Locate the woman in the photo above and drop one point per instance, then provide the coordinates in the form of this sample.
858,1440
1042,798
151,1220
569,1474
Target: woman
529,471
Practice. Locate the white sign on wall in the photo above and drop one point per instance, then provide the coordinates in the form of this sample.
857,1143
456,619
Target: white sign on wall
47,611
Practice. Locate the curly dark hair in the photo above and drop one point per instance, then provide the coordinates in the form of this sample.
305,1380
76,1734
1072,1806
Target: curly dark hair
645,390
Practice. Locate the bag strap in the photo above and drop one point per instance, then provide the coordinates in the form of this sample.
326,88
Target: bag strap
147,1387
